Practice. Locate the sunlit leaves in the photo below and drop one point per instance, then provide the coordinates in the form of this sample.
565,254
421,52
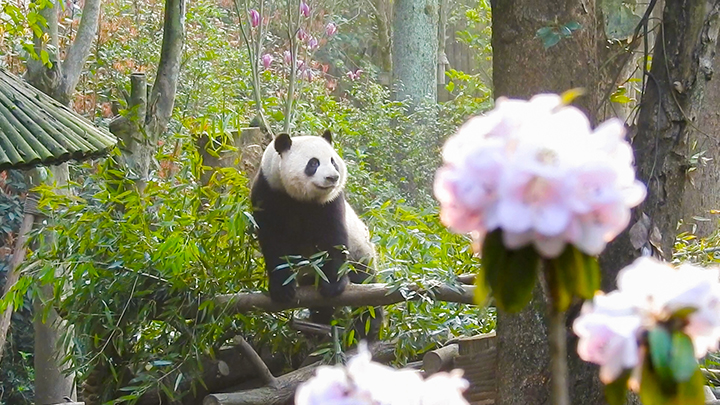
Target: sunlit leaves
552,34
510,274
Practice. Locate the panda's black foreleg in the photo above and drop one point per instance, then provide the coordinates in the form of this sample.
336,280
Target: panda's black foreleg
332,268
281,290
280,282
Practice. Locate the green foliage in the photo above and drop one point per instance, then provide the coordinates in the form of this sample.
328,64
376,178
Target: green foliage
552,34
17,21
414,247
16,367
620,18
655,391
616,391
509,274
670,373
572,274
137,265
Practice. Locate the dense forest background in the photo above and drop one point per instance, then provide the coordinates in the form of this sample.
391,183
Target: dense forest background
135,261
132,244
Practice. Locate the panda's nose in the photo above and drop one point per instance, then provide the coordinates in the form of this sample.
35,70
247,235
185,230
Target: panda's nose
332,179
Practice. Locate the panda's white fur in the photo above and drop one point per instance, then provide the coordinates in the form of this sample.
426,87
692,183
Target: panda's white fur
300,209
286,172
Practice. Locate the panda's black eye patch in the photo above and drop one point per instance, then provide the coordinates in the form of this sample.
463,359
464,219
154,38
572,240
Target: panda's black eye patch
332,160
311,167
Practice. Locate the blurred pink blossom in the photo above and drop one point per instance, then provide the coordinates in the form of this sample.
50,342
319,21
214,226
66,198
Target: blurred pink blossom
287,57
304,9
609,329
364,382
650,293
354,75
267,60
312,43
536,170
330,29
302,35
254,17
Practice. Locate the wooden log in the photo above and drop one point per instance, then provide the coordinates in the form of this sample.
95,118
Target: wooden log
355,295
230,368
287,384
440,359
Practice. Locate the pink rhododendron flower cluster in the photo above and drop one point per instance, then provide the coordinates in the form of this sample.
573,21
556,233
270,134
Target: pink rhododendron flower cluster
364,382
649,293
536,170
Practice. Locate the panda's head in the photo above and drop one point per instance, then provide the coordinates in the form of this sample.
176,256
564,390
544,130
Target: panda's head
307,168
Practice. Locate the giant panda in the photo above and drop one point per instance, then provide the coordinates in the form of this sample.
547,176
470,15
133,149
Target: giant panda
300,210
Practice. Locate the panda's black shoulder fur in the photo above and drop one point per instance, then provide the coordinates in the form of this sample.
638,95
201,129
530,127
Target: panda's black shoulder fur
290,227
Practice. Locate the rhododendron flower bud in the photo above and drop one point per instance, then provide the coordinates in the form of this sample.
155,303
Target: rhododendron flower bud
312,43
304,9
254,18
536,170
354,75
267,60
302,35
330,29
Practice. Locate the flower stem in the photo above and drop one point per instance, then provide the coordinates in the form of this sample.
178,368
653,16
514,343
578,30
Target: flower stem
558,357
557,339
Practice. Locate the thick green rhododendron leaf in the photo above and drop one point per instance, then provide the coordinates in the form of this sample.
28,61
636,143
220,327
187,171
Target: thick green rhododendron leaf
509,274
655,391
660,343
682,358
573,273
494,259
616,391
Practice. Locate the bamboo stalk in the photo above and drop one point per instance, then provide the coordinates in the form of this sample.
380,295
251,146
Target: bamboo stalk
100,138
8,147
64,138
33,134
14,131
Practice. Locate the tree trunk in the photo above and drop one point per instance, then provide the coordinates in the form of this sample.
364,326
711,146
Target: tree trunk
668,136
57,81
141,130
522,67
414,49
383,16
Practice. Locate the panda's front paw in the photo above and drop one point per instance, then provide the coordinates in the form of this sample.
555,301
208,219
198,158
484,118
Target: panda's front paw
333,289
282,293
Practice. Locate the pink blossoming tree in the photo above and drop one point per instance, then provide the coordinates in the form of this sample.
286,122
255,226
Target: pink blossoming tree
541,192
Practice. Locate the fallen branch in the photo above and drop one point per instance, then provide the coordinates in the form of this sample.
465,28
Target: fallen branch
256,361
355,295
287,384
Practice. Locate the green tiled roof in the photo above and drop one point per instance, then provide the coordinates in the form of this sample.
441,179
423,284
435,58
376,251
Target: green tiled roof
35,129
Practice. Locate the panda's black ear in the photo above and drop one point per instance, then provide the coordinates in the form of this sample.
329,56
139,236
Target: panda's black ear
282,143
327,135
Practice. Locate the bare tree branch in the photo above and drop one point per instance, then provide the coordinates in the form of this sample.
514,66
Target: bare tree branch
355,295
78,52
162,97
256,361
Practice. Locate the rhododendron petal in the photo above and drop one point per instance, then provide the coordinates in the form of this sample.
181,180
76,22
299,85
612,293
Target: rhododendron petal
536,166
549,246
